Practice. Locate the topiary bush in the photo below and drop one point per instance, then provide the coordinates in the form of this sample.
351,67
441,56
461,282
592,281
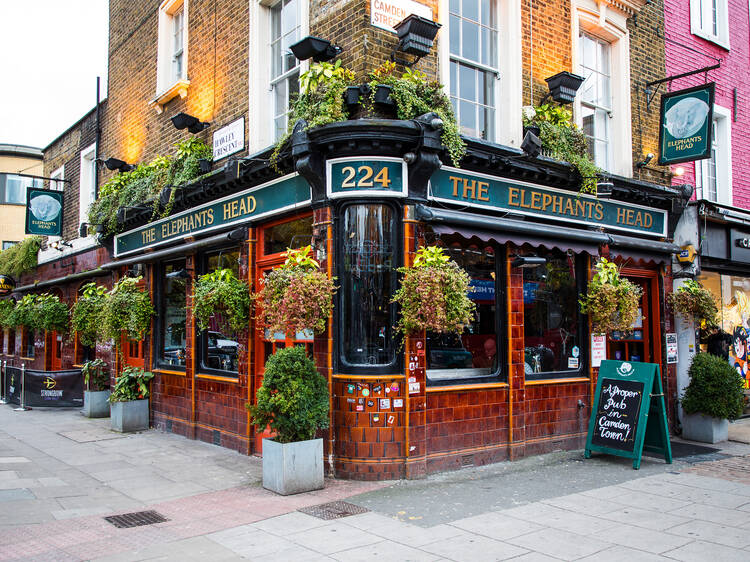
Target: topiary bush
715,388
293,398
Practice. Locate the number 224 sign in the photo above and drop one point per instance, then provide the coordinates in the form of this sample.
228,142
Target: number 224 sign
358,177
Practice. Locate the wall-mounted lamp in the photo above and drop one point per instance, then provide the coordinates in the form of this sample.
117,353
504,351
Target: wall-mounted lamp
316,48
678,171
528,262
179,274
532,144
563,87
643,163
204,165
83,230
415,37
238,234
192,124
60,245
117,164
604,189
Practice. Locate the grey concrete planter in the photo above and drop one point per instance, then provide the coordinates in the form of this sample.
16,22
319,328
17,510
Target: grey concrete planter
95,404
697,427
293,468
129,416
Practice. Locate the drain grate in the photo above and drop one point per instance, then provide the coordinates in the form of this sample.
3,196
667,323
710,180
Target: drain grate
136,519
333,510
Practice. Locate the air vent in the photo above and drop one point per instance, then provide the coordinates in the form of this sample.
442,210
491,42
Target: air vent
136,519
333,510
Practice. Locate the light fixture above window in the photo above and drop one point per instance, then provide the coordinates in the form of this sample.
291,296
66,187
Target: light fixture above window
528,262
316,48
415,37
563,87
117,164
192,124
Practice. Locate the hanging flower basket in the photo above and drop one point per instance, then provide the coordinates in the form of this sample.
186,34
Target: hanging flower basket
434,294
692,300
297,296
611,301
221,292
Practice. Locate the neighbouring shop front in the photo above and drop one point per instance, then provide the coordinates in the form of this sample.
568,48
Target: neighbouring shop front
365,195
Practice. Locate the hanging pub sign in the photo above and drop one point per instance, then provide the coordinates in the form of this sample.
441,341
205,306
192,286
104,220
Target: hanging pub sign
7,284
629,414
685,124
44,212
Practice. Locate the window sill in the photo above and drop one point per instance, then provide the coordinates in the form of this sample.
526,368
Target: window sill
722,42
179,88
204,376
537,382
369,377
27,358
464,387
168,372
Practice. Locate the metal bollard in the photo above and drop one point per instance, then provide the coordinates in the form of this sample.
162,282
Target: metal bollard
23,407
3,369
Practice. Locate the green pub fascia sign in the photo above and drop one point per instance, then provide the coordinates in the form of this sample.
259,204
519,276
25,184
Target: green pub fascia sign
44,212
452,185
277,196
685,125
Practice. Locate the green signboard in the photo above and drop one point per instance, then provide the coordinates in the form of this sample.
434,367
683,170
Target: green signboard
685,123
44,212
628,414
357,177
452,185
274,197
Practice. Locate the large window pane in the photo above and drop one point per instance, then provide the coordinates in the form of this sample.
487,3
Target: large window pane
220,344
292,234
367,284
550,316
172,316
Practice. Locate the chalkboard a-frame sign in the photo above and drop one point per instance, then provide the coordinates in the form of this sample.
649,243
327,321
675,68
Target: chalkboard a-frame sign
628,415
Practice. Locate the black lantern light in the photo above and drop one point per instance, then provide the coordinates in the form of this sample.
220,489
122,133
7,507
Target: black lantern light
532,144
415,37
563,86
528,262
317,49
192,124
117,164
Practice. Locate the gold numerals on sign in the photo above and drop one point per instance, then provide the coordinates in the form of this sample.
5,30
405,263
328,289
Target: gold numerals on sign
364,177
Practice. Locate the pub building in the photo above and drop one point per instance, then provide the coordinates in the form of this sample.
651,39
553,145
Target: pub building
366,194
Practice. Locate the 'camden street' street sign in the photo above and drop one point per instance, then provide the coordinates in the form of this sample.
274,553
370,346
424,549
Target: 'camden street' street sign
685,122
44,212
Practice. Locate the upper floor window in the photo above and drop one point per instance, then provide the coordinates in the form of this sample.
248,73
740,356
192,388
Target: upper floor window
172,55
285,70
596,97
13,188
55,179
709,20
713,176
87,191
473,38
9,244
178,30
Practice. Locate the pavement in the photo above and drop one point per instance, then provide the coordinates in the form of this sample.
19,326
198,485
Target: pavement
61,474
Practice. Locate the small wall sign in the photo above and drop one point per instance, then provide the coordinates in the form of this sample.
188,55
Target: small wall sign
358,177
671,348
685,120
387,13
229,140
7,284
598,349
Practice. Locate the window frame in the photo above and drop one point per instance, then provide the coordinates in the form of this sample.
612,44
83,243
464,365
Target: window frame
700,9
87,175
722,140
397,240
595,106
168,85
158,337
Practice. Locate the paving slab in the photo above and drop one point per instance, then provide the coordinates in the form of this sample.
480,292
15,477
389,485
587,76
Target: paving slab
473,548
701,551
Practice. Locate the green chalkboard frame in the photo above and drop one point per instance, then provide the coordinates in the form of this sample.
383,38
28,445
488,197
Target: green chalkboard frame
652,433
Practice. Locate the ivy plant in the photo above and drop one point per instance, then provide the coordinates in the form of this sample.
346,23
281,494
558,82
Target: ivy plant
222,292
127,308
21,257
86,315
611,301
132,384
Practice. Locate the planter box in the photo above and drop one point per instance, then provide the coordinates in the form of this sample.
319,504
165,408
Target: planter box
95,404
129,416
293,468
697,427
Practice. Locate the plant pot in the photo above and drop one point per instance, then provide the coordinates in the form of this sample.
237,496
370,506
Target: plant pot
383,96
351,96
95,404
129,416
293,468
698,427
204,165
164,195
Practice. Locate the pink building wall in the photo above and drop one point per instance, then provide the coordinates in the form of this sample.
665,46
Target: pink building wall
734,73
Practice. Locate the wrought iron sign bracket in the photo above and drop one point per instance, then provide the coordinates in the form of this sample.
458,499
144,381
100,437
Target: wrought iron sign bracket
651,94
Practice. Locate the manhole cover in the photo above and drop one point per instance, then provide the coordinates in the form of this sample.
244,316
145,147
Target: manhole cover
136,519
333,510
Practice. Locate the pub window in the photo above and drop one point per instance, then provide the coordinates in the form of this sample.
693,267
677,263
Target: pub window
472,356
290,234
552,330
368,280
219,344
28,342
172,318
11,349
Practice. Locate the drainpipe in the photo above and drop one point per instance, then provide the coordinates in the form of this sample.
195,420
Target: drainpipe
97,139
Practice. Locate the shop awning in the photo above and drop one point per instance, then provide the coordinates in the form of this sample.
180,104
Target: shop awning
501,230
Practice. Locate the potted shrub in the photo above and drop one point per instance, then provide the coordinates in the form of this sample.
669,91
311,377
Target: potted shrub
692,300
221,292
297,296
129,400
713,397
96,389
434,294
611,301
293,401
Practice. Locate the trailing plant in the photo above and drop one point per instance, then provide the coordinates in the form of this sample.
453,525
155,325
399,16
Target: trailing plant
611,300
23,313
40,312
414,96
21,257
320,100
692,300
221,291
143,184
293,399
297,296
715,389
86,315
434,294
563,140
127,308
132,384
95,375
7,307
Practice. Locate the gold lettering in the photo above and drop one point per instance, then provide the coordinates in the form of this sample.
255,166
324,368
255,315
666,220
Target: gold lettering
227,210
483,191
629,216
557,205
648,220
251,208
470,188
455,181
210,213
569,206
536,198
243,207
546,201
639,219
580,208
513,196
620,215
523,199
599,212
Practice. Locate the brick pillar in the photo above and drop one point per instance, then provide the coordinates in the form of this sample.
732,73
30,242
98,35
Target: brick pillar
516,375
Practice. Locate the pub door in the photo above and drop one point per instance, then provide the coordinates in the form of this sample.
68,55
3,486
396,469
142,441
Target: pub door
55,341
642,343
